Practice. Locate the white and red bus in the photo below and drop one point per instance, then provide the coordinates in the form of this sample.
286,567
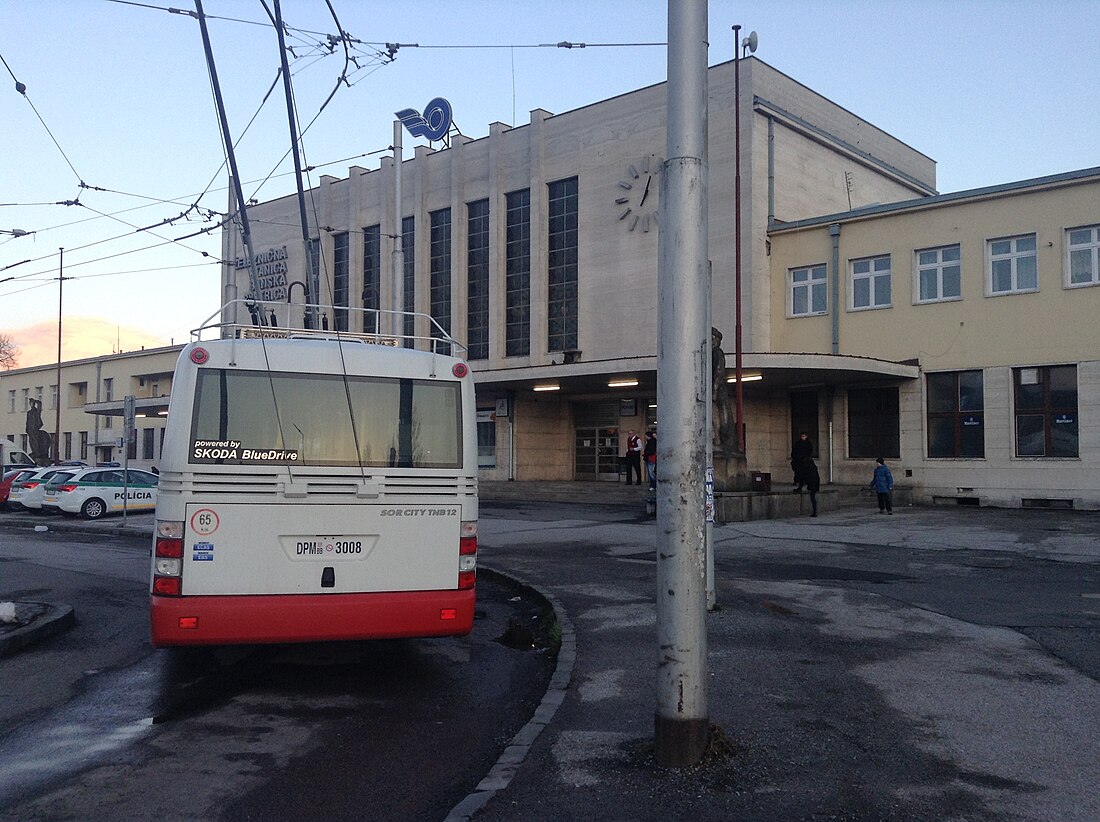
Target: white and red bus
316,486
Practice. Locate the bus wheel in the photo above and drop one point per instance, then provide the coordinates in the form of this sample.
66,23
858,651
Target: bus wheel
93,509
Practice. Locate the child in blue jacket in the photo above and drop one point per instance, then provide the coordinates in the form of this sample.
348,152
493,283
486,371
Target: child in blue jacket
883,483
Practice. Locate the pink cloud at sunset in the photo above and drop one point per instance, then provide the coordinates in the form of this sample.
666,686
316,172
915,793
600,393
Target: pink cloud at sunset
81,337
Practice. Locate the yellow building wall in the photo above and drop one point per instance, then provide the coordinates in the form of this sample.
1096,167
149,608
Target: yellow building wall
1054,324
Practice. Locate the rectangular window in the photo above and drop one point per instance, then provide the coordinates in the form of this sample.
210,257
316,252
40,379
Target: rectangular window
147,439
53,397
1083,256
1012,265
1046,411
562,268
108,389
341,278
328,420
939,274
874,423
956,414
871,282
372,275
83,445
11,401
408,276
477,280
517,274
809,291
439,270
68,440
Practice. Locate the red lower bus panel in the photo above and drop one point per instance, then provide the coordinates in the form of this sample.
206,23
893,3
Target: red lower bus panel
241,620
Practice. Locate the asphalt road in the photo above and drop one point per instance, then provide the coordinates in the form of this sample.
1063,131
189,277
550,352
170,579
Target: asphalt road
95,723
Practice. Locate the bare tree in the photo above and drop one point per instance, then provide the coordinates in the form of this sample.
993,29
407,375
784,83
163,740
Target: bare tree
9,352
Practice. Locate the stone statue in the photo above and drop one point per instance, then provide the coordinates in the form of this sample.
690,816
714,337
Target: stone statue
722,422
39,442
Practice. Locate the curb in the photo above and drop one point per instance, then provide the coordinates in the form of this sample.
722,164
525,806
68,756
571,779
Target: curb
500,775
37,621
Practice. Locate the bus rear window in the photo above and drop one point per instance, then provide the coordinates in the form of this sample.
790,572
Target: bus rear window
256,417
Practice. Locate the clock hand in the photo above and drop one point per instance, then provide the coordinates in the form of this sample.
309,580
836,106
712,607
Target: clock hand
645,193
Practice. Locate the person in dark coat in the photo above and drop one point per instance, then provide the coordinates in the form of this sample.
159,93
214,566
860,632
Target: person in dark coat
813,482
650,455
801,452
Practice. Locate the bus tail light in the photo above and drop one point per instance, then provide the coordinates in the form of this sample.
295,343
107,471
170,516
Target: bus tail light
467,556
168,559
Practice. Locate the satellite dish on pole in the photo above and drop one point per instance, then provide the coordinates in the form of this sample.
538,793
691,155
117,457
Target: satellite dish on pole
749,43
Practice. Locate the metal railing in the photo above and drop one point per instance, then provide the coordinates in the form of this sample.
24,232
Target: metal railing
373,321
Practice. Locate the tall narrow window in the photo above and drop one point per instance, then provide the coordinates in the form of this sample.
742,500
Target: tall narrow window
83,445
439,269
408,275
477,280
341,276
956,414
68,439
372,275
808,293
562,269
1083,256
939,275
148,437
314,269
517,274
871,284
874,423
1046,411
1012,265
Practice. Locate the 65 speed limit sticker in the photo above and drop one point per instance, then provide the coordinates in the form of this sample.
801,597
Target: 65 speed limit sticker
205,522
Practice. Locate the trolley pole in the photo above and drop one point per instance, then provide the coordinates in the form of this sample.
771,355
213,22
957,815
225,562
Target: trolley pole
683,376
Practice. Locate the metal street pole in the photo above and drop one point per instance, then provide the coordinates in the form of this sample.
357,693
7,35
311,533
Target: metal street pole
739,405
683,376
57,399
397,297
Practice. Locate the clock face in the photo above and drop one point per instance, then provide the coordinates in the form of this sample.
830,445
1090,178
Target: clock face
637,194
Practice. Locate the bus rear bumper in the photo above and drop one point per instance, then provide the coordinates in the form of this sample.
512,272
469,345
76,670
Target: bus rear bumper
237,620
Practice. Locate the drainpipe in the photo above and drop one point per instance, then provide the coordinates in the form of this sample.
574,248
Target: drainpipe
771,170
834,232
512,436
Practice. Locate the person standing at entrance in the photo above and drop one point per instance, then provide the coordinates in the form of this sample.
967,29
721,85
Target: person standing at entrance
883,483
633,457
650,454
801,453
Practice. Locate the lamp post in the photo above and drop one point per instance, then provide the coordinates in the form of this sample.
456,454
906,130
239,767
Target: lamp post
57,399
748,44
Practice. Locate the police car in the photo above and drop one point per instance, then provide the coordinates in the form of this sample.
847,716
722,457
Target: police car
93,492
28,491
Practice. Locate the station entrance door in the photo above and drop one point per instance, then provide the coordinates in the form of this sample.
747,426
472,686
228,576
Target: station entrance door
596,441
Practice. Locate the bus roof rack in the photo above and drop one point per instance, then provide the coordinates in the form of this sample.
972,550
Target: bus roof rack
375,326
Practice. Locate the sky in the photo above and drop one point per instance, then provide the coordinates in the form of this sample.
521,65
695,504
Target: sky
113,152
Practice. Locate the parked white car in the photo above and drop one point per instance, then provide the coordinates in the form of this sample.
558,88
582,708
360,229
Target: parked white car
94,492
30,492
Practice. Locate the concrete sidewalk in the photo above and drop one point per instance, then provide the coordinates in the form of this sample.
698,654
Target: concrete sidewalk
826,702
